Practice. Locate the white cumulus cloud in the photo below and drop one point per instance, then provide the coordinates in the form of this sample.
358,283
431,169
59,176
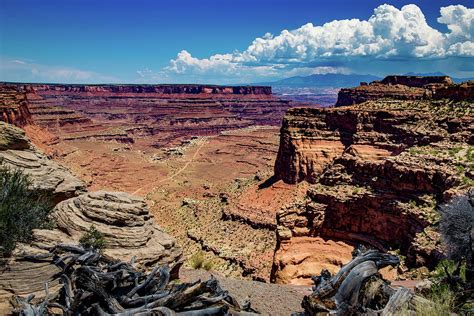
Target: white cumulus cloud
389,34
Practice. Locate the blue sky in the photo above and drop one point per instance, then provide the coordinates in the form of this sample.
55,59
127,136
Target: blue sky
230,41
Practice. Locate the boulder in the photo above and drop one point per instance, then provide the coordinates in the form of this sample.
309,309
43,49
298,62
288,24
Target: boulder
128,227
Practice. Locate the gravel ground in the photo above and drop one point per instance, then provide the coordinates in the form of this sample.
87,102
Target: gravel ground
266,298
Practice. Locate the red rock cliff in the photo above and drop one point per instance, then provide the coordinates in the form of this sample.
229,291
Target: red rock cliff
407,88
378,172
157,89
14,106
167,112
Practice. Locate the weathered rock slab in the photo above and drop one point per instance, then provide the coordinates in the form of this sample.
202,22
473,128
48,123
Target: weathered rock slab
17,152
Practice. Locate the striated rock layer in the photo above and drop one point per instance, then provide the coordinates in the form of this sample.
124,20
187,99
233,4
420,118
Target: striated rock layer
128,227
407,88
127,113
17,152
129,231
378,172
14,106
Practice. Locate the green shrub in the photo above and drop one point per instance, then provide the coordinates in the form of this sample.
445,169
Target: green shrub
441,302
207,265
21,209
439,273
198,261
93,239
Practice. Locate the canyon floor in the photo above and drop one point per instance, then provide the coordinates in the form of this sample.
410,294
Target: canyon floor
212,193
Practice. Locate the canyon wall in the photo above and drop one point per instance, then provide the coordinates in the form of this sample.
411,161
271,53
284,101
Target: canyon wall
14,106
130,113
378,171
407,88
153,89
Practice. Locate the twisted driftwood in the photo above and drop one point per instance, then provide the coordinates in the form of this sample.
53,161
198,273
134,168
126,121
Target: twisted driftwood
358,288
94,284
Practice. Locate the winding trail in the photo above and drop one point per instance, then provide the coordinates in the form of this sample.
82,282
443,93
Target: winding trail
176,173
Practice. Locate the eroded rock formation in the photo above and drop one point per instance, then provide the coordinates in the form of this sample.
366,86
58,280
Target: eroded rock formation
14,106
128,227
129,231
378,171
407,88
16,151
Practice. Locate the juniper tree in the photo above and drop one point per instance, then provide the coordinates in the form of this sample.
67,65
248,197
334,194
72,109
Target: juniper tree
22,209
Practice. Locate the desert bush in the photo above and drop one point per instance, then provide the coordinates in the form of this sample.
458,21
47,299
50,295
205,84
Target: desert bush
93,239
207,265
449,266
457,229
198,261
441,302
22,209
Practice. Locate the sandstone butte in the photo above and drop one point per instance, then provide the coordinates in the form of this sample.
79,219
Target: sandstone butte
378,169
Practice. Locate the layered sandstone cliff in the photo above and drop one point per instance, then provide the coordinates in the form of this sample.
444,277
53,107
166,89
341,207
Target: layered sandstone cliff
378,171
127,113
14,106
155,89
407,88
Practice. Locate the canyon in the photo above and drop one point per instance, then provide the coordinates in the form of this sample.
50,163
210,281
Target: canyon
130,113
261,194
184,148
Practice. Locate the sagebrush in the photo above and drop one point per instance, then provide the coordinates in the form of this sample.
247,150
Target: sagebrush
93,238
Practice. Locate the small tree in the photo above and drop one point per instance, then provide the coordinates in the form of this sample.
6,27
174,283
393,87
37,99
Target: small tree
22,209
457,230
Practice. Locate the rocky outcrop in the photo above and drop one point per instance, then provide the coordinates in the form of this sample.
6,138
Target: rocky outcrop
311,139
16,151
14,106
407,88
128,227
129,231
417,81
378,172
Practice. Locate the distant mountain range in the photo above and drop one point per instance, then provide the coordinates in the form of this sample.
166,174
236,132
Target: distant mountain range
339,80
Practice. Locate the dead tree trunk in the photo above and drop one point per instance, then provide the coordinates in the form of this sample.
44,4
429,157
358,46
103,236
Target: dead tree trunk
357,288
93,284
